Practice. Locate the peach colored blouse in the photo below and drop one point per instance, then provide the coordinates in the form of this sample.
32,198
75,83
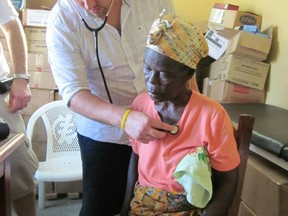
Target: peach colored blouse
203,123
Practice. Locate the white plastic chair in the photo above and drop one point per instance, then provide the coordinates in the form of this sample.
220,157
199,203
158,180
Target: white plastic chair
63,160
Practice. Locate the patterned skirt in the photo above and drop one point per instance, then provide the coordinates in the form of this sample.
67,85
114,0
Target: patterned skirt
149,201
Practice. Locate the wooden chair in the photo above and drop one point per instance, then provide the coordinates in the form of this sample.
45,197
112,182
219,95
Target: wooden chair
243,133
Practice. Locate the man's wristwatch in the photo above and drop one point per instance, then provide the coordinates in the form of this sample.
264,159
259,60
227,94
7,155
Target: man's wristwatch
22,76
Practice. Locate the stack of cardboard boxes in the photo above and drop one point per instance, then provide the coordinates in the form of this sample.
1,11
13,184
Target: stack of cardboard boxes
239,73
42,85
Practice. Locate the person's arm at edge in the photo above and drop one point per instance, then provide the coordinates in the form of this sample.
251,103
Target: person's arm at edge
20,93
224,189
131,180
137,125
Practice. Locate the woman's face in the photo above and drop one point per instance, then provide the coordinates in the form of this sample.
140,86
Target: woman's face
96,7
165,78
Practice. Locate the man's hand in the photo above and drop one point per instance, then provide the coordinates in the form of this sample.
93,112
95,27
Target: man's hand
20,95
145,129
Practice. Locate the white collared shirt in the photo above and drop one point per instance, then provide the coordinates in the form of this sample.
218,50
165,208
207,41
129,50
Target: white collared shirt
71,51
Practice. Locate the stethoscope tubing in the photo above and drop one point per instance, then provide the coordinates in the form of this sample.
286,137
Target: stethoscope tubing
95,32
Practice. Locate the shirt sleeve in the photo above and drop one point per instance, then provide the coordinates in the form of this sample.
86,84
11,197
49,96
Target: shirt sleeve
222,149
7,12
65,58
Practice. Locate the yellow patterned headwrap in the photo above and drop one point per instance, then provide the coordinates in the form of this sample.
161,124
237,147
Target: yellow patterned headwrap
177,39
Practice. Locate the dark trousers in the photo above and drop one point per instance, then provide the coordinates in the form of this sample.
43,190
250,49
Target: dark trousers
105,167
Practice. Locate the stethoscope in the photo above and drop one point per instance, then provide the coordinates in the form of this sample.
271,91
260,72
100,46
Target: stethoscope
95,32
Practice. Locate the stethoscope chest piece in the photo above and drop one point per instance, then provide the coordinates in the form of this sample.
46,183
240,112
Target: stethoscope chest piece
175,130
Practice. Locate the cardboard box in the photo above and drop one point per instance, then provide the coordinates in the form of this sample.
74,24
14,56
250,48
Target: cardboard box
36,39
226,92
226,6
40,4
35,17
37,47
220,18
42,80
244,210
39,98
227,41
265,189
207,83
240,70
35,33
38,62
250,45
217,44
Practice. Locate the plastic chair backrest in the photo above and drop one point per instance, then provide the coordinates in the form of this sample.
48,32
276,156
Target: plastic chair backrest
60,125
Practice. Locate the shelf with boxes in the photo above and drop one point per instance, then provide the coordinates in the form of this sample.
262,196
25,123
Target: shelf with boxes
239,72
43,88
236,77
34,20
229,16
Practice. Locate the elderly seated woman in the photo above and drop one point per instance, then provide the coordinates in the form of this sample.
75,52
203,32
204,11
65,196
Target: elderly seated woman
193,170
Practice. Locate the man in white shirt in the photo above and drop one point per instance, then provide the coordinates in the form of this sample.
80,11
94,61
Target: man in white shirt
103,127
23,161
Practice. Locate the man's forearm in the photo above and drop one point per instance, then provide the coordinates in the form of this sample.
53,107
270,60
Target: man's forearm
96,109
16,41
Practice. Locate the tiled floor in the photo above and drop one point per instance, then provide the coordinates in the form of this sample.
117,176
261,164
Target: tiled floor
62,206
